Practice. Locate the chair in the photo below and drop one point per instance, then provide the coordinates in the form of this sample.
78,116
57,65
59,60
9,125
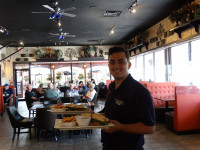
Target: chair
44,120
29,105
93,102
17,121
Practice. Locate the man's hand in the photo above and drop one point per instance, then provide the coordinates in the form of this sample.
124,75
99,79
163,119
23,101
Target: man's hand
117,127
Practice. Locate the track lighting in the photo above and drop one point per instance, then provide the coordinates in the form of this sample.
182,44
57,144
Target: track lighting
112,31
132,7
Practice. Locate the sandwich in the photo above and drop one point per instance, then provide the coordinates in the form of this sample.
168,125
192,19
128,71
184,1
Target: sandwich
98,120
86,114
76,107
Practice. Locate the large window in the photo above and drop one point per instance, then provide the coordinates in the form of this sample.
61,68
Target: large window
180,64
40,73
100,72
62,73
195,55
149,72
160,66
139,67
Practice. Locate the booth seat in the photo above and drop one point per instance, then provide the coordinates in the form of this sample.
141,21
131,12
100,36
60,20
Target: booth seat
2,107
161,90
144,83
186,114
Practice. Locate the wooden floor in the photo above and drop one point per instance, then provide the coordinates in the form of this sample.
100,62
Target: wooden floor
162,139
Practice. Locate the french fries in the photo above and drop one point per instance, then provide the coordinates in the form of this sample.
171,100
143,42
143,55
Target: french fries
69,119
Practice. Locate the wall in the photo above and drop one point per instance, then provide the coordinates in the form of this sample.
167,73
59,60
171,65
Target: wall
7,65
161,30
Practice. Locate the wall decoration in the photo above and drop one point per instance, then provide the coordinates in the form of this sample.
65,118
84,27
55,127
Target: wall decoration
70,52
160,31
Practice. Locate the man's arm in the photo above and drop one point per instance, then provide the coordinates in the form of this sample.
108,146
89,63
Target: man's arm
135,128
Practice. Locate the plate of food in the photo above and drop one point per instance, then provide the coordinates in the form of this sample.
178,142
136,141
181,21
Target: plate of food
68,121
86,121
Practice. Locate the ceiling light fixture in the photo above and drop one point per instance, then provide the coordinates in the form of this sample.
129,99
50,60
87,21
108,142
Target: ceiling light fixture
112,31
3,30
132,7
101,41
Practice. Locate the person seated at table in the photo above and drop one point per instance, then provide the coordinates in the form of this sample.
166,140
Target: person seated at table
80,85
40,92
71,92
96,87
90,94
84,90
8,95
29,98
55,87
50,92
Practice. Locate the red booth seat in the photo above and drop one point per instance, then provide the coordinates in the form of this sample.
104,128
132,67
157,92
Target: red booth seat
187,109
161,90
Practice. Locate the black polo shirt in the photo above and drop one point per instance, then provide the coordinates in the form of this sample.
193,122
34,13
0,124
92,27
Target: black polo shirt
131,102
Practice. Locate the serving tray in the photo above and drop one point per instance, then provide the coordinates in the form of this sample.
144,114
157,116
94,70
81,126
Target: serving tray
58,125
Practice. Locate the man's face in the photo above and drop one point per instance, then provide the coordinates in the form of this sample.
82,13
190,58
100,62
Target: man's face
30,87
6,87
118,65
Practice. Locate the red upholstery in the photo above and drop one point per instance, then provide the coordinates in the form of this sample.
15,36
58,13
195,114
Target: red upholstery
161,90
1,100
187,108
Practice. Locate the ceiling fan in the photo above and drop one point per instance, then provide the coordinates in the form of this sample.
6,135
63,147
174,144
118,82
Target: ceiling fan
56,11
61,35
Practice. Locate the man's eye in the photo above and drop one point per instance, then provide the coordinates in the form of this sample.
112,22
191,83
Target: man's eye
112,62
121,62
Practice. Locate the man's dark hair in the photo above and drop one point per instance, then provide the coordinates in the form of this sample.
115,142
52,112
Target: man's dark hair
115,49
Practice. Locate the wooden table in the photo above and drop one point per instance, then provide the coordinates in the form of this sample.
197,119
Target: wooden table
166,100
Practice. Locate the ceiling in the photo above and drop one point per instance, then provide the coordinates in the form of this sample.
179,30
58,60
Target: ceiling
90,26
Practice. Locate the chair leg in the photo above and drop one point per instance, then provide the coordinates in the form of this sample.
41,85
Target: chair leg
30,132
38,134
18,131
29,113
14,133
54,133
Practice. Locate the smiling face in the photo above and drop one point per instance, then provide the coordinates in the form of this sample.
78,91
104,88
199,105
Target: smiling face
118,65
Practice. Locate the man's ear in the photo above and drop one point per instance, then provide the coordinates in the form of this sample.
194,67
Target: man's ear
129,65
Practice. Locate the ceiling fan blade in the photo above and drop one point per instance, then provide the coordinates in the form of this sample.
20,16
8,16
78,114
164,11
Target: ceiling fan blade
65,33
70,36
48,7
68,15
54,34
38,12
68,9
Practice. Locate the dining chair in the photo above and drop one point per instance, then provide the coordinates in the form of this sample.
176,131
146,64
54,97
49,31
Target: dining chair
44,120
19,122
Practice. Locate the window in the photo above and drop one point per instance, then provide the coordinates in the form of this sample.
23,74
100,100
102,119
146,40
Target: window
149,74
195,74
100,72
160,66
138,73
40,74
180,64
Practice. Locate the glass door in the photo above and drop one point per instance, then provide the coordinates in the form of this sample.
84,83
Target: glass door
21,79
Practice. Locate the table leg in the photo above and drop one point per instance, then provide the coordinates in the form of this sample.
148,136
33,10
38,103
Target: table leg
167,106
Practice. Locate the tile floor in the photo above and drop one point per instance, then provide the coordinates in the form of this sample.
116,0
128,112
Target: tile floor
162,139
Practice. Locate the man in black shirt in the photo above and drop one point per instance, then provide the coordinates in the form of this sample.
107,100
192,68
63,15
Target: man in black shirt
128,106
8,95
29,97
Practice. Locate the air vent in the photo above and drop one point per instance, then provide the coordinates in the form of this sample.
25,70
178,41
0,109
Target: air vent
112,13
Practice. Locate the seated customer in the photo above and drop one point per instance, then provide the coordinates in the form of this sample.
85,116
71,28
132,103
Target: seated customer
40,92
90,94
71,92
29,96
8,95
83,91
50,92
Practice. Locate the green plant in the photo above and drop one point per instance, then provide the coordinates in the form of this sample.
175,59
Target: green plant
58,75
80,76
58,54
49,77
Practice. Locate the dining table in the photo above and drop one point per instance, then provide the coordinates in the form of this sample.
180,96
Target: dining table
166,100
